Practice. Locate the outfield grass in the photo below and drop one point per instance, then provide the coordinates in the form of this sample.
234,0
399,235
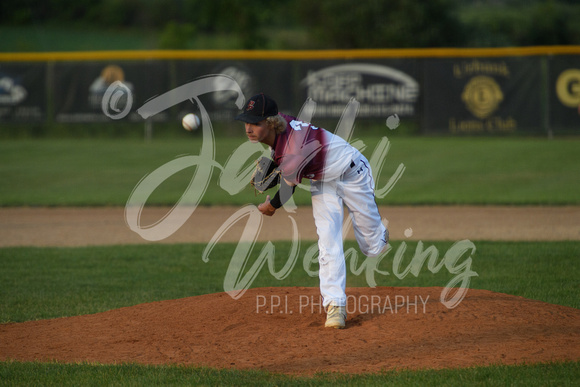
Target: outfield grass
39,38
99,172
48,38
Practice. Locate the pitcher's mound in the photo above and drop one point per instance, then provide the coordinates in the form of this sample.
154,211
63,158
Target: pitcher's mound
282,330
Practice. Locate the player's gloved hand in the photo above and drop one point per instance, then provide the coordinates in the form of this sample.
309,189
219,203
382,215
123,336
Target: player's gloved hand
266,208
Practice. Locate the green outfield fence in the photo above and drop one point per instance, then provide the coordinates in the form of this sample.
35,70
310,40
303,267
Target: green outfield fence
443,91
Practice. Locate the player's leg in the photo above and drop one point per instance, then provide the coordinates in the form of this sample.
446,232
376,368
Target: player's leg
328,216
357,189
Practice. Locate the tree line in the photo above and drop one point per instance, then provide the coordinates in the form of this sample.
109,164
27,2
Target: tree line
326,23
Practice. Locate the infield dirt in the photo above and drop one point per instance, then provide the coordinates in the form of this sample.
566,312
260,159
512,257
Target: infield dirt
281,329
32,226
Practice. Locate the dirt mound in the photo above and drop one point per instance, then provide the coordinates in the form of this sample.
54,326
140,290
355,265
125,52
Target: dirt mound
282,330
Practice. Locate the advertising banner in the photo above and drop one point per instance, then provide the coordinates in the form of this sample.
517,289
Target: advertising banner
444,94
80,87
383,87
483,95
22,92
564,93
272,77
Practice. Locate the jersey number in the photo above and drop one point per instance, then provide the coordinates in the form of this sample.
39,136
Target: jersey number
299,125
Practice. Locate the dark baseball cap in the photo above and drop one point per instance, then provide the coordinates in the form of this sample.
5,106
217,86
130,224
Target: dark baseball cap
258,108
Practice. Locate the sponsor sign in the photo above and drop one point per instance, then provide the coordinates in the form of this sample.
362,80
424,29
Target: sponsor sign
22,92
80,87
564,93
382,89
483,95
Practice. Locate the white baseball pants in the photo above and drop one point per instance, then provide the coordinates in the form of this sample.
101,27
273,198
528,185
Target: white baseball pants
355,189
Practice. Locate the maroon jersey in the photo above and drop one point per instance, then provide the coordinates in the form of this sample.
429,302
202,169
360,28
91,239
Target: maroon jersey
300,150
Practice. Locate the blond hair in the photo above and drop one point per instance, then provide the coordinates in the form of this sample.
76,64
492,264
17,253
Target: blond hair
277,122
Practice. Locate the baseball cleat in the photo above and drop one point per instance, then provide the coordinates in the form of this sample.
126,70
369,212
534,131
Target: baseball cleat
335,317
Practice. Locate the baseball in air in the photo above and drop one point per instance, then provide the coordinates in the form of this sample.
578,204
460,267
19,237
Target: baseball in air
190,122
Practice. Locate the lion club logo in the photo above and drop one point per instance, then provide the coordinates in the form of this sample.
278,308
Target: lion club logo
482,95
250,105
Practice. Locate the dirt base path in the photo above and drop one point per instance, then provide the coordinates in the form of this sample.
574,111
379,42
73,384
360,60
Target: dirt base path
106,226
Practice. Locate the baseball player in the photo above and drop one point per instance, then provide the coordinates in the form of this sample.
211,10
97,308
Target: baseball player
340,175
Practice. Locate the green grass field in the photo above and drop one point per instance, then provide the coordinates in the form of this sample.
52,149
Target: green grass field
27,374
97,172
36,38
45,38
37,283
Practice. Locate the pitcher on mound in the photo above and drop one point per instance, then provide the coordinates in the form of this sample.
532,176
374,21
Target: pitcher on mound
339,176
